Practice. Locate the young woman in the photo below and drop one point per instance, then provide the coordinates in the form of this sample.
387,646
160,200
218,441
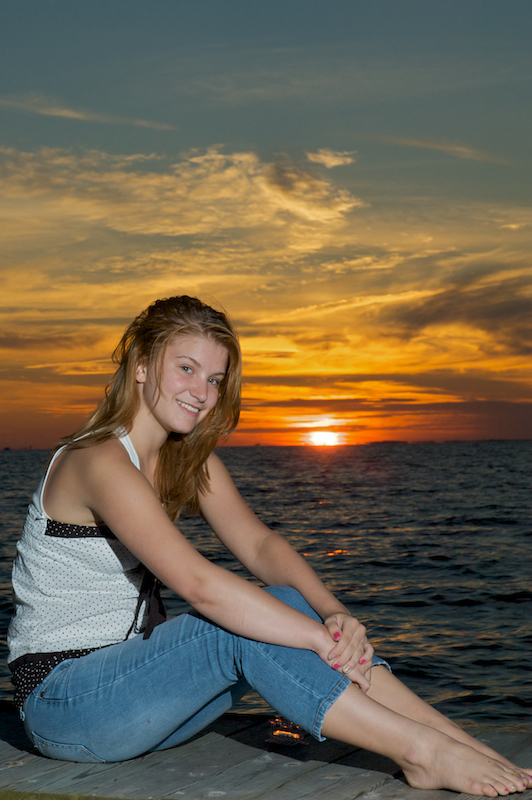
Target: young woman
98,674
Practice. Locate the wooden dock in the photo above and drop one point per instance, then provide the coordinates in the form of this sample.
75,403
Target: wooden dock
233,758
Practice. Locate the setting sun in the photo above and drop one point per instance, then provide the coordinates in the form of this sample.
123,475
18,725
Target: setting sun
324,438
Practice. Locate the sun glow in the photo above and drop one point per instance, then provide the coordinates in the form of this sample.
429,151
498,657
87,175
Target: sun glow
324,438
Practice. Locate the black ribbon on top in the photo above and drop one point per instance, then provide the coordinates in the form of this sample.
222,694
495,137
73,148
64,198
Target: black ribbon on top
150,593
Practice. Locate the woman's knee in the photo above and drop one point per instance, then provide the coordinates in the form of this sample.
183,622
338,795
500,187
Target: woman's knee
293,598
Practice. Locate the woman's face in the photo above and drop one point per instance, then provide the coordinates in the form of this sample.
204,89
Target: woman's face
193,368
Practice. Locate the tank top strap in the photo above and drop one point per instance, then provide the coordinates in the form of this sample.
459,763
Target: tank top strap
38,494
124,438
130,448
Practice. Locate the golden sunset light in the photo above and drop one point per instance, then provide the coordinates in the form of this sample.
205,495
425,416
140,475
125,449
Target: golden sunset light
348,205
323,438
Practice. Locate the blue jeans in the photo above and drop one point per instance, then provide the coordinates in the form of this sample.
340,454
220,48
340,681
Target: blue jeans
150,694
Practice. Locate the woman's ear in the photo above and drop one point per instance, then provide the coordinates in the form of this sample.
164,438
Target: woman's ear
140,372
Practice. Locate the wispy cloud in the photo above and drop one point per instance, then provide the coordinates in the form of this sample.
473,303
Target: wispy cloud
50,107
342,308
204,193
331,158
250,76
346,304
450,148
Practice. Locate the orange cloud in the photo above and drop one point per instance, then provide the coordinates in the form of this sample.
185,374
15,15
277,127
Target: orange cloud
373,321
331,158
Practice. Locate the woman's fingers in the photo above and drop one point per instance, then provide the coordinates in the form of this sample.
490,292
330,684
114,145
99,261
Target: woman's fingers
352,642
363,664
333,625
357,677
351,654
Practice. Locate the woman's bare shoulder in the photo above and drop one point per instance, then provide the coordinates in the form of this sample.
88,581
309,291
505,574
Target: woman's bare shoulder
110,448
219,476
77,473
214,462
84,459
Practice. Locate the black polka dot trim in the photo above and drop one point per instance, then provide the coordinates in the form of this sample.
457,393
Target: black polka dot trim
30,670
64,530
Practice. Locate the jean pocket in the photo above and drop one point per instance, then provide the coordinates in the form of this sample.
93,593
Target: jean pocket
64,752
52,686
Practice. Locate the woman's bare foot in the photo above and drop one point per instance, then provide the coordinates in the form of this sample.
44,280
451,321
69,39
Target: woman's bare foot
438,762
433,752
476,744
389,691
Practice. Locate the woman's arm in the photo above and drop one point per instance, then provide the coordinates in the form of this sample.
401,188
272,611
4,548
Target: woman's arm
272,560
104,480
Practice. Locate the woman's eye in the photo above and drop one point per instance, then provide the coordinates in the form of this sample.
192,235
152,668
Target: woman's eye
185,368
214,381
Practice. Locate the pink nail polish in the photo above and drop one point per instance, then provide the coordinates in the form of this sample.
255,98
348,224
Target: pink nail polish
335,666
337,635
362,660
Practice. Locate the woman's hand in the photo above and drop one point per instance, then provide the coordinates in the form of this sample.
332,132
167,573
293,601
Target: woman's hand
352,654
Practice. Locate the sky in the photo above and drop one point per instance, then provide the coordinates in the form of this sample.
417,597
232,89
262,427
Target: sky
349,180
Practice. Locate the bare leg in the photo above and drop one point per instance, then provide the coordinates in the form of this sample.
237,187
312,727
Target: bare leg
432,752
390,692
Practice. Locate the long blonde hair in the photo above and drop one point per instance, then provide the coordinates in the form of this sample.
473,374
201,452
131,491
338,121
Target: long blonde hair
181,471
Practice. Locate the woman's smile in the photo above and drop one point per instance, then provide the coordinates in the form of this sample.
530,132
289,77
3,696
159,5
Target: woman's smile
192,371
188,407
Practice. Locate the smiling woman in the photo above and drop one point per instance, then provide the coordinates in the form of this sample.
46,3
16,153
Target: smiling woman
186,389
91,652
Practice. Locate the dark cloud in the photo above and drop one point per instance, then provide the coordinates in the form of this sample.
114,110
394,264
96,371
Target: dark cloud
320,341
285,176
56,375
256,354
469,386
340,405
11,340
282,429
503,309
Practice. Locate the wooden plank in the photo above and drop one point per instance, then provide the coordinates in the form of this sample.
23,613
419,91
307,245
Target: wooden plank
397,790
517,747
246,766
364,759
509,741
153,774
251,779
30,771
7,751
84,778
329,782
62,780
14,795
232,759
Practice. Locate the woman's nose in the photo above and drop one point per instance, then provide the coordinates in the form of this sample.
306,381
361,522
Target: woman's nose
199,390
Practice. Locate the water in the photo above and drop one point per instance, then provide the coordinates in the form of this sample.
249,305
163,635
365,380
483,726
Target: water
428,544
